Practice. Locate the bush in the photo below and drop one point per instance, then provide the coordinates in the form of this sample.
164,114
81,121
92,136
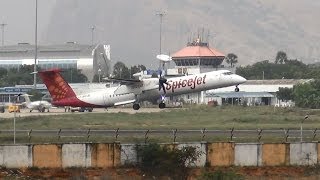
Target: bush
163,161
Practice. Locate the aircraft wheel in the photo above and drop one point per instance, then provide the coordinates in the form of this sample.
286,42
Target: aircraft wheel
162,105
236,89
136,106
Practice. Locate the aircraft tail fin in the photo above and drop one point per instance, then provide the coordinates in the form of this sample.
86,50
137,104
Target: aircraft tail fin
27,98
58,88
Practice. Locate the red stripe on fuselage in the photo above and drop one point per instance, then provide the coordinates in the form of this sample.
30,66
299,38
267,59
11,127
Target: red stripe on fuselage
73,101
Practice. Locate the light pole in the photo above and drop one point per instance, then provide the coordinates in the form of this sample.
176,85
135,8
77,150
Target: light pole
14,117
14,122
161,14
99,73
305,117
92,32
2,28
35,49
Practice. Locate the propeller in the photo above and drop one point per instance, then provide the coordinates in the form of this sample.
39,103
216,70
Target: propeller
162,81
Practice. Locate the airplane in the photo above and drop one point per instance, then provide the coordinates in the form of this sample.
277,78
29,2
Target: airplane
41,106
135,90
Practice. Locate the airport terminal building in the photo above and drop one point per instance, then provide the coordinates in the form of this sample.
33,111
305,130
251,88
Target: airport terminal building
253,93
90,59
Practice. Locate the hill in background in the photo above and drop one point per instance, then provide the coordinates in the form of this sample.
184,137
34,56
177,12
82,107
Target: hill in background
254,30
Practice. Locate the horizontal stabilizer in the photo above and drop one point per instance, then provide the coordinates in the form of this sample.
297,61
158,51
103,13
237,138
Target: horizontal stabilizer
124,102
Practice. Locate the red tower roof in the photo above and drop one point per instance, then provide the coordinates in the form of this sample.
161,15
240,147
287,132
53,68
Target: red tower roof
197,51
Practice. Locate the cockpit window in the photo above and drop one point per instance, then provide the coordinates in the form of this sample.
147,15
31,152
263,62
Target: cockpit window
227,73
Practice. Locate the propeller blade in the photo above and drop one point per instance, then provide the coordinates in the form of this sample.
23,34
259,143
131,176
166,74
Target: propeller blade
164,89
162,81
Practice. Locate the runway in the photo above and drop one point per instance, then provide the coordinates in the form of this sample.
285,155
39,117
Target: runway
61,111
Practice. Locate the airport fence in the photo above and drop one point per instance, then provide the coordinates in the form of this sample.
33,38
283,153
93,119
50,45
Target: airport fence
159,135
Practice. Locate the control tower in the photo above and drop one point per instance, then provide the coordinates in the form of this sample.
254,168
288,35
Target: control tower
196,57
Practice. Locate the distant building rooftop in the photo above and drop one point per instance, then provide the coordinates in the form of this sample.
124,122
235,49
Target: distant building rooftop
26,50
270,86
197,51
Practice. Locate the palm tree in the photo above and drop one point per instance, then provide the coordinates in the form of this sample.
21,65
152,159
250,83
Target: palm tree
281,57
231,59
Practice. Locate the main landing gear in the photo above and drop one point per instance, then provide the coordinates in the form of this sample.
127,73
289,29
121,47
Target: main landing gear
162,105
236,89
136,106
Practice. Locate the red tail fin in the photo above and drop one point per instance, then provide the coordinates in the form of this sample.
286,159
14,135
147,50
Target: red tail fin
58,88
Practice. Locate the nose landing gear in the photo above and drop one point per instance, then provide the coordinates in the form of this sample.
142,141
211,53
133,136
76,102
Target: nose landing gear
136,106
162,105
236,89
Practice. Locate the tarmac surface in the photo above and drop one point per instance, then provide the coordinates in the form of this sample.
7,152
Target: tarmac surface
59,111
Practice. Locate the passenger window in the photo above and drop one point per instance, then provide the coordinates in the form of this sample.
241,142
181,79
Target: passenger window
227,73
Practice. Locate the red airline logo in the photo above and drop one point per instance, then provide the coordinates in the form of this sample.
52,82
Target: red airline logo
191,82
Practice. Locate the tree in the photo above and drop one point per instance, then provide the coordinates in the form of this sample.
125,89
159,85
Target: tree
35,95
307,95
285,94
120,70
231,59
73,75
137,68
175,163
292,69
281,57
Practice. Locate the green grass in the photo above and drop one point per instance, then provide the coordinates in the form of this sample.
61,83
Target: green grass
196,117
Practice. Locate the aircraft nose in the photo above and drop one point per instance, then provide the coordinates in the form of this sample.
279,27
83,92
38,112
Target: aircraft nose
240,79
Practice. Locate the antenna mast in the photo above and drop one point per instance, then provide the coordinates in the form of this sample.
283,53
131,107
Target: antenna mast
2,28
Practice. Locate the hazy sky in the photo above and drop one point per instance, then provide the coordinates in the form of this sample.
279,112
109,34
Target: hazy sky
254,29
19,15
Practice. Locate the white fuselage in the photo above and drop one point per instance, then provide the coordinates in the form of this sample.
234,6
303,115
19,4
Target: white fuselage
148,88
37,104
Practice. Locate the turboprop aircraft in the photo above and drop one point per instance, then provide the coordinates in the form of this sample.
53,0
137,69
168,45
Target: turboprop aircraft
41,106
134,90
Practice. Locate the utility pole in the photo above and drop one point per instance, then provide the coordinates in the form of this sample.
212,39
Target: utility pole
35,49
2,28
92,33
160,14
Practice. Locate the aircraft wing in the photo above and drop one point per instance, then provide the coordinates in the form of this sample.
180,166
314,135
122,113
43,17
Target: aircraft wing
124,102
124,81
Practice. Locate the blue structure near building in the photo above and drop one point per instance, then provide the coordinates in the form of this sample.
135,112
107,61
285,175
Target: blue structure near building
7,94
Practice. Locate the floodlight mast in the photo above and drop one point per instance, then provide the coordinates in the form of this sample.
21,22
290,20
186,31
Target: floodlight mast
36,49
2,28
160,14
92,34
